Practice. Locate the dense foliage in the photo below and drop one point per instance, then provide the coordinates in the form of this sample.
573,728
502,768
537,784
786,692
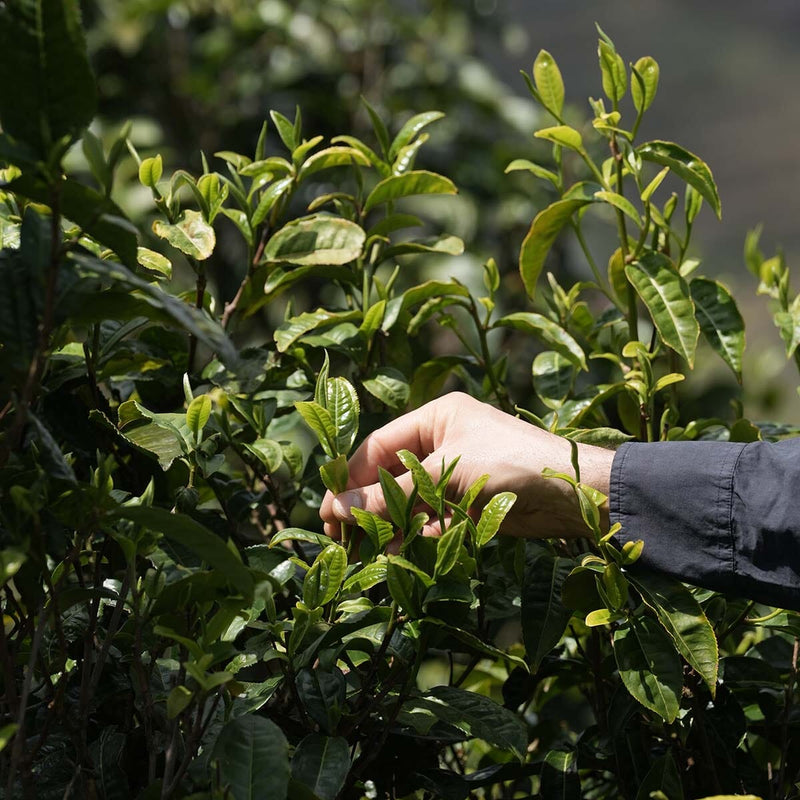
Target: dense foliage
174,622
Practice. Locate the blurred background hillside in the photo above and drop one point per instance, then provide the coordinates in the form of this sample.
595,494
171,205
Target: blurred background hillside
201,75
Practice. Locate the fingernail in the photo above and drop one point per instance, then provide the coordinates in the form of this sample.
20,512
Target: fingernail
342,504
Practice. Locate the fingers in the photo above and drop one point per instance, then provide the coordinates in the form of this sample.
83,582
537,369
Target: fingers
415,431
370,498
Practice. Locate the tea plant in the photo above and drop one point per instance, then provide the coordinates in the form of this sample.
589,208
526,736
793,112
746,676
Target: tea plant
175,623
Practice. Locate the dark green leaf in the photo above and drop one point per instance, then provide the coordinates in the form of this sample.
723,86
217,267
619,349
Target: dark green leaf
402,587
559,779
48,86
390,386
478,716
664,777
93,212
253,757
544,615
193,536
685,165
543,232
321,763
720,321
684,620
649,666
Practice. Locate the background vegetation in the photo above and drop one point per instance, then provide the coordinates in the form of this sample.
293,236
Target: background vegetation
175,399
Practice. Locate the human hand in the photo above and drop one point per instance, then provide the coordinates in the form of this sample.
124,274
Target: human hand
512,452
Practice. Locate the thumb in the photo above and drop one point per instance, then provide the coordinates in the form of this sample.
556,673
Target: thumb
370,498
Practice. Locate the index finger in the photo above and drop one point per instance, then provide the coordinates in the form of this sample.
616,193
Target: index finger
413,431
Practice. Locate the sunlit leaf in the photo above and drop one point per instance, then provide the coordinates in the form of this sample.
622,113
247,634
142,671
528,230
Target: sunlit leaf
407,184
191,235
667,298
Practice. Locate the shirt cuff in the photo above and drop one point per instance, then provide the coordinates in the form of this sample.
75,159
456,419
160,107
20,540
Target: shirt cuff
678,498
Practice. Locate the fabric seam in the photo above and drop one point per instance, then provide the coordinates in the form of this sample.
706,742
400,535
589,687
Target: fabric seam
731,537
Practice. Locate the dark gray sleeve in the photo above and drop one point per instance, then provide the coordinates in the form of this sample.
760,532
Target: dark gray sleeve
717,514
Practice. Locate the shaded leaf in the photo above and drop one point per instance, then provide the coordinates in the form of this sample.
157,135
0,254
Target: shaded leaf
649,666
720,321
48,86
684,620
321,763
553,377
544,615
253,757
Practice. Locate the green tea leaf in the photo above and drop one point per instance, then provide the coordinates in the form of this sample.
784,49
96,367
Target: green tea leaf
394,497
407,184
402,587
193,536
544,616
720,321
155,262
299,535
343,407
150,171
559,778
549,332
549,83
540,172
553,377
686,166
316,240
540,237
667,298
390,386
325,576
335,474
321,763
336,156
253,757
48,86
192,235
268,452
197,415
379,531
478,716
366,578
422,480
612,68
621,203
563,135
649,666
297,327
684,620
320,421
410,129
448,549
644,91
268,198
493,515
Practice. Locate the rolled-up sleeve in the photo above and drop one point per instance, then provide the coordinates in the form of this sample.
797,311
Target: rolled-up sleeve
722,515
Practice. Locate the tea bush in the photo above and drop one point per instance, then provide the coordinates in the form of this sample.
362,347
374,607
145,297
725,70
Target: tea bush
175,624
